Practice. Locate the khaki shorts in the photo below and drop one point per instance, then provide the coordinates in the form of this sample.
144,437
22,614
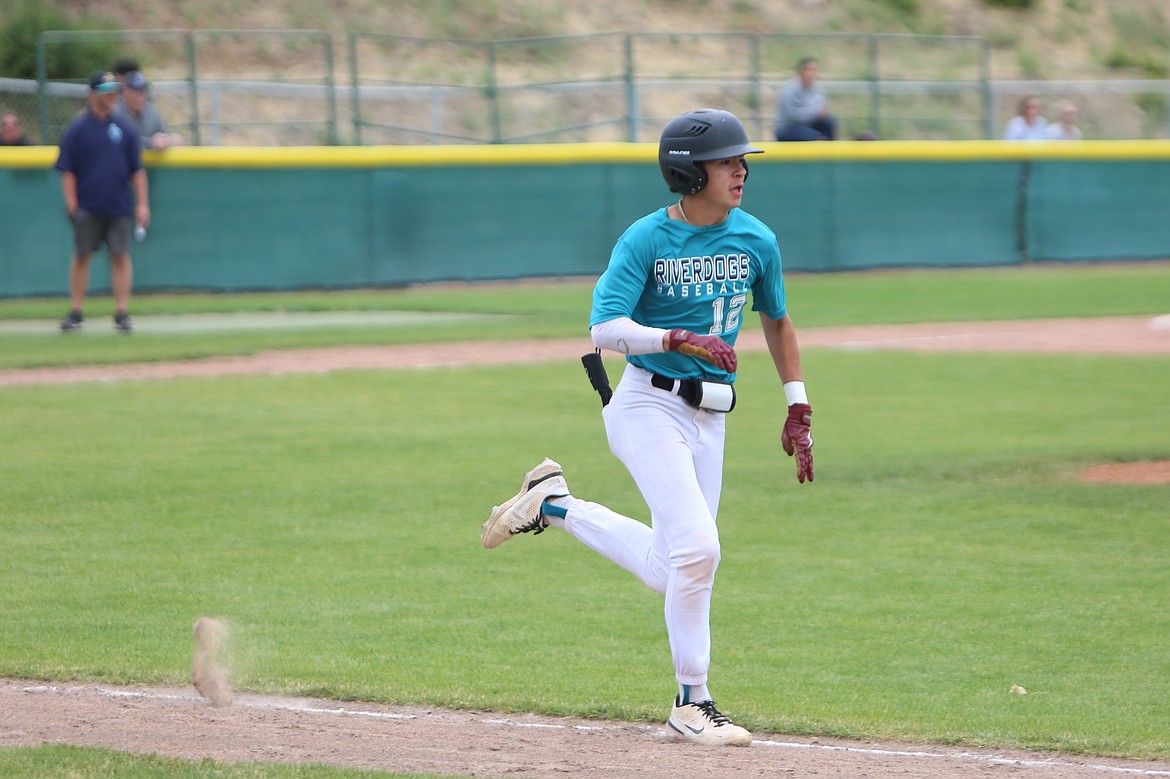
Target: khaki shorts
90,231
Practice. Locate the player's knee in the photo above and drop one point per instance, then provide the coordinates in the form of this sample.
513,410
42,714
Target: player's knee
699,562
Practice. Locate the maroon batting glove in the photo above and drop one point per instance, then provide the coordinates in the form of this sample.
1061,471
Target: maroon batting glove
797,439
711,348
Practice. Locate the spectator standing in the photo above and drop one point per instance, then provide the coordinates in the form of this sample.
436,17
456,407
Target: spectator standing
105,190
122,66
802,112
11,131
1027,124
672,300
1065,128
135,104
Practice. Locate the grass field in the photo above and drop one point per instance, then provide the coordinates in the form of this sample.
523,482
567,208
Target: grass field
945,552
560,309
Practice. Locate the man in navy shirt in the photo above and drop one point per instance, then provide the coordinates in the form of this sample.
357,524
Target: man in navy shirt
100,162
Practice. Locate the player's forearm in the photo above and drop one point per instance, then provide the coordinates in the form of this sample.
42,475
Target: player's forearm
780,336
625,336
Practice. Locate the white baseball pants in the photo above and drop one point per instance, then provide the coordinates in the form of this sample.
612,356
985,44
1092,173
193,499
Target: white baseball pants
675,454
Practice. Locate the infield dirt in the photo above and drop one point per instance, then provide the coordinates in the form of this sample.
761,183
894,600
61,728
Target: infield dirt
180,722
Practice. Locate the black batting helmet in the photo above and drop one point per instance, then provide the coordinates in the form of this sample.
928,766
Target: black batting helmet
695,137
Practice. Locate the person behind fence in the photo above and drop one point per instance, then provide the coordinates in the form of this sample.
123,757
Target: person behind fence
136,105
1027,124
122,66
802,112
672,299
11,131
1065,128
106,194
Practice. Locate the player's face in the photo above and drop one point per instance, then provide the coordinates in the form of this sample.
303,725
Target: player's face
725,182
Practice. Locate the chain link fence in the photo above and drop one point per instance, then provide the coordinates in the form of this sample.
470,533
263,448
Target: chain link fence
279,88
19,97
624,87
215,87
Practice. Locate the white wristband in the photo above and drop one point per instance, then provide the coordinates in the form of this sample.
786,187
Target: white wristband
794,391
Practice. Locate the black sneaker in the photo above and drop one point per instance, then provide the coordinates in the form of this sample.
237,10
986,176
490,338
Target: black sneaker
122,321
74,320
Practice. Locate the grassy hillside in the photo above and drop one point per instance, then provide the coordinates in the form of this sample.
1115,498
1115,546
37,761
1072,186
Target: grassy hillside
1053,39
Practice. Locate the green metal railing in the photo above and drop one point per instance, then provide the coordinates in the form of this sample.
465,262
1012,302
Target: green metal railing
190,61
266,87
628,73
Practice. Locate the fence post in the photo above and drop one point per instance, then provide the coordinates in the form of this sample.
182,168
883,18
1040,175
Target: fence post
758,86
493,92
875,110
42,78
355,96
330,92
193,82
985,76
1166,110
631,91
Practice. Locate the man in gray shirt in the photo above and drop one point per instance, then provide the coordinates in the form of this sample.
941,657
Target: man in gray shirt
137,106
802,113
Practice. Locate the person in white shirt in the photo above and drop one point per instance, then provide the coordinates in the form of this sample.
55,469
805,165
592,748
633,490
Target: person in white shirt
1028,124
1065,128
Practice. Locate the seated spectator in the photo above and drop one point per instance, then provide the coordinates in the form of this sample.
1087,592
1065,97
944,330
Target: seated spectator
1027,124
11,132
136,105
802,113
1065,128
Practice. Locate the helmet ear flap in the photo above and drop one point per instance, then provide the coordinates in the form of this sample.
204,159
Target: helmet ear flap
700,179
684,178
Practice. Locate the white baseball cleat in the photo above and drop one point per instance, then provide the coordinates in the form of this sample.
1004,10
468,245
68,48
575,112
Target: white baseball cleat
702,723
521,513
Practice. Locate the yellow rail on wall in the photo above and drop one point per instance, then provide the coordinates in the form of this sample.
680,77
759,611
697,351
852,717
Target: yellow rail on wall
606,152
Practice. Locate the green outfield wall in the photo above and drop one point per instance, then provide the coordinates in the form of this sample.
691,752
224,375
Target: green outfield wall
289,218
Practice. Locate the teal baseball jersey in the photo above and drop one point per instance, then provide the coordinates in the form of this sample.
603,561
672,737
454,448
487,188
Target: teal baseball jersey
668,274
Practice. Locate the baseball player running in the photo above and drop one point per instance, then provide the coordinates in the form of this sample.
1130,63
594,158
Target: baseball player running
672,300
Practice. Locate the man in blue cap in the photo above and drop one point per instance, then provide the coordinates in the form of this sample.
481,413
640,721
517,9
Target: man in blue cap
105,191
137,106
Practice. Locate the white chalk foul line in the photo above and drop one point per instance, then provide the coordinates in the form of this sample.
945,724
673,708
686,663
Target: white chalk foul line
342,711
541,725
243,703
990,759
265,705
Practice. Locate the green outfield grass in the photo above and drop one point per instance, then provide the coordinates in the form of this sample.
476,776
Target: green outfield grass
560,309
54,762
945,552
